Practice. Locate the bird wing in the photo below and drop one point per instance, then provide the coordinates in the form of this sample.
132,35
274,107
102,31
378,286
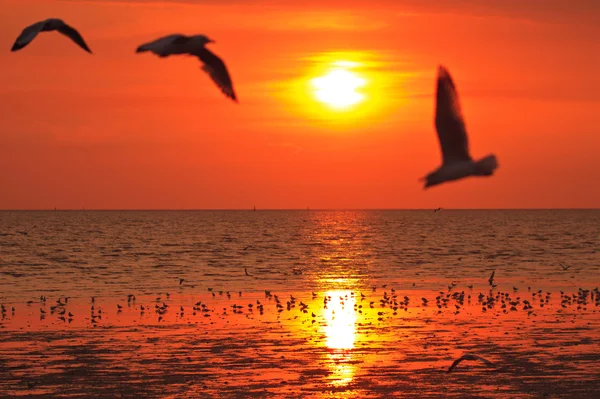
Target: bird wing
483,360
455,363
27,35
492,277
217,70
72,34
449,121
469,357
164,45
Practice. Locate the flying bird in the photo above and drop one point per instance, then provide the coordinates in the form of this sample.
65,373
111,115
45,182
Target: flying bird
26,231
194,45
469,357
449,123
30,32
564,267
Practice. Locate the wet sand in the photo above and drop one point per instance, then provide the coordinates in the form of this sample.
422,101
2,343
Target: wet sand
341,345
341,352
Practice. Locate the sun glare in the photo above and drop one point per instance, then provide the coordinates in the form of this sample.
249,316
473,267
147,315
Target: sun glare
340,330
340,92
338,87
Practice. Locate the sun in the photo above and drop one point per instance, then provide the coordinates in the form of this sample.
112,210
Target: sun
337,88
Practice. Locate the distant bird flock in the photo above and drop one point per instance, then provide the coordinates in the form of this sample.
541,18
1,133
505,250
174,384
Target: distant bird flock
382,308
450,126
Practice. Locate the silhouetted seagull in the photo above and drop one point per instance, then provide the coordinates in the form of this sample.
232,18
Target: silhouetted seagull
491,279
246,272
194,45
51,24
564,267
469,357
456,160
27,231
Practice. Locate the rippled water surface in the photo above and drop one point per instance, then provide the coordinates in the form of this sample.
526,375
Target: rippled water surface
344,315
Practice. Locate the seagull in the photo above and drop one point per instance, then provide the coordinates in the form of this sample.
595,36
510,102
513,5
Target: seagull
564,267
456,160
194,45
437,210
491,279
246,272
48,25
27,231
469,357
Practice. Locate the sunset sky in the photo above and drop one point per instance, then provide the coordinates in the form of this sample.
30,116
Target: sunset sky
131,131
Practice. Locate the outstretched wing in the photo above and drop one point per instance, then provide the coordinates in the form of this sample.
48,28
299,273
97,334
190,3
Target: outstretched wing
217,70
469,357
27,35
72,34
483,360
455,363
449,122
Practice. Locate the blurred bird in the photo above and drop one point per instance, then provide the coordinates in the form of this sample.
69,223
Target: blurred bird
564,267
194,45
24,233
456,160
469,357
30,32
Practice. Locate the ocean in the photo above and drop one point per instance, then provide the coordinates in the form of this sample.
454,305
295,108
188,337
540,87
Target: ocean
395,279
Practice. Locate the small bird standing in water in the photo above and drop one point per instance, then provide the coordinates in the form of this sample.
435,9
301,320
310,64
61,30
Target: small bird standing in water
491,279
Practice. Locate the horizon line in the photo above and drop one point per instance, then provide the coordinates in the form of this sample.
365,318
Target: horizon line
283,209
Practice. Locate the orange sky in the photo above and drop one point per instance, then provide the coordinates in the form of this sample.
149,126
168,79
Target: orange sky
121,130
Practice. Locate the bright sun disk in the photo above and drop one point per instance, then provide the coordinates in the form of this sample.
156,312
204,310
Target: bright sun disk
338,88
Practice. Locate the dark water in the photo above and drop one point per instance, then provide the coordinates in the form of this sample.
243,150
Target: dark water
111,253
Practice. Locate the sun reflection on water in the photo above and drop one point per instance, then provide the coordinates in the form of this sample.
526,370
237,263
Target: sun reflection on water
340,317
340,335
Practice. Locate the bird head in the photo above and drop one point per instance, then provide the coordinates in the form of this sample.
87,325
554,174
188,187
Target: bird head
202,40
